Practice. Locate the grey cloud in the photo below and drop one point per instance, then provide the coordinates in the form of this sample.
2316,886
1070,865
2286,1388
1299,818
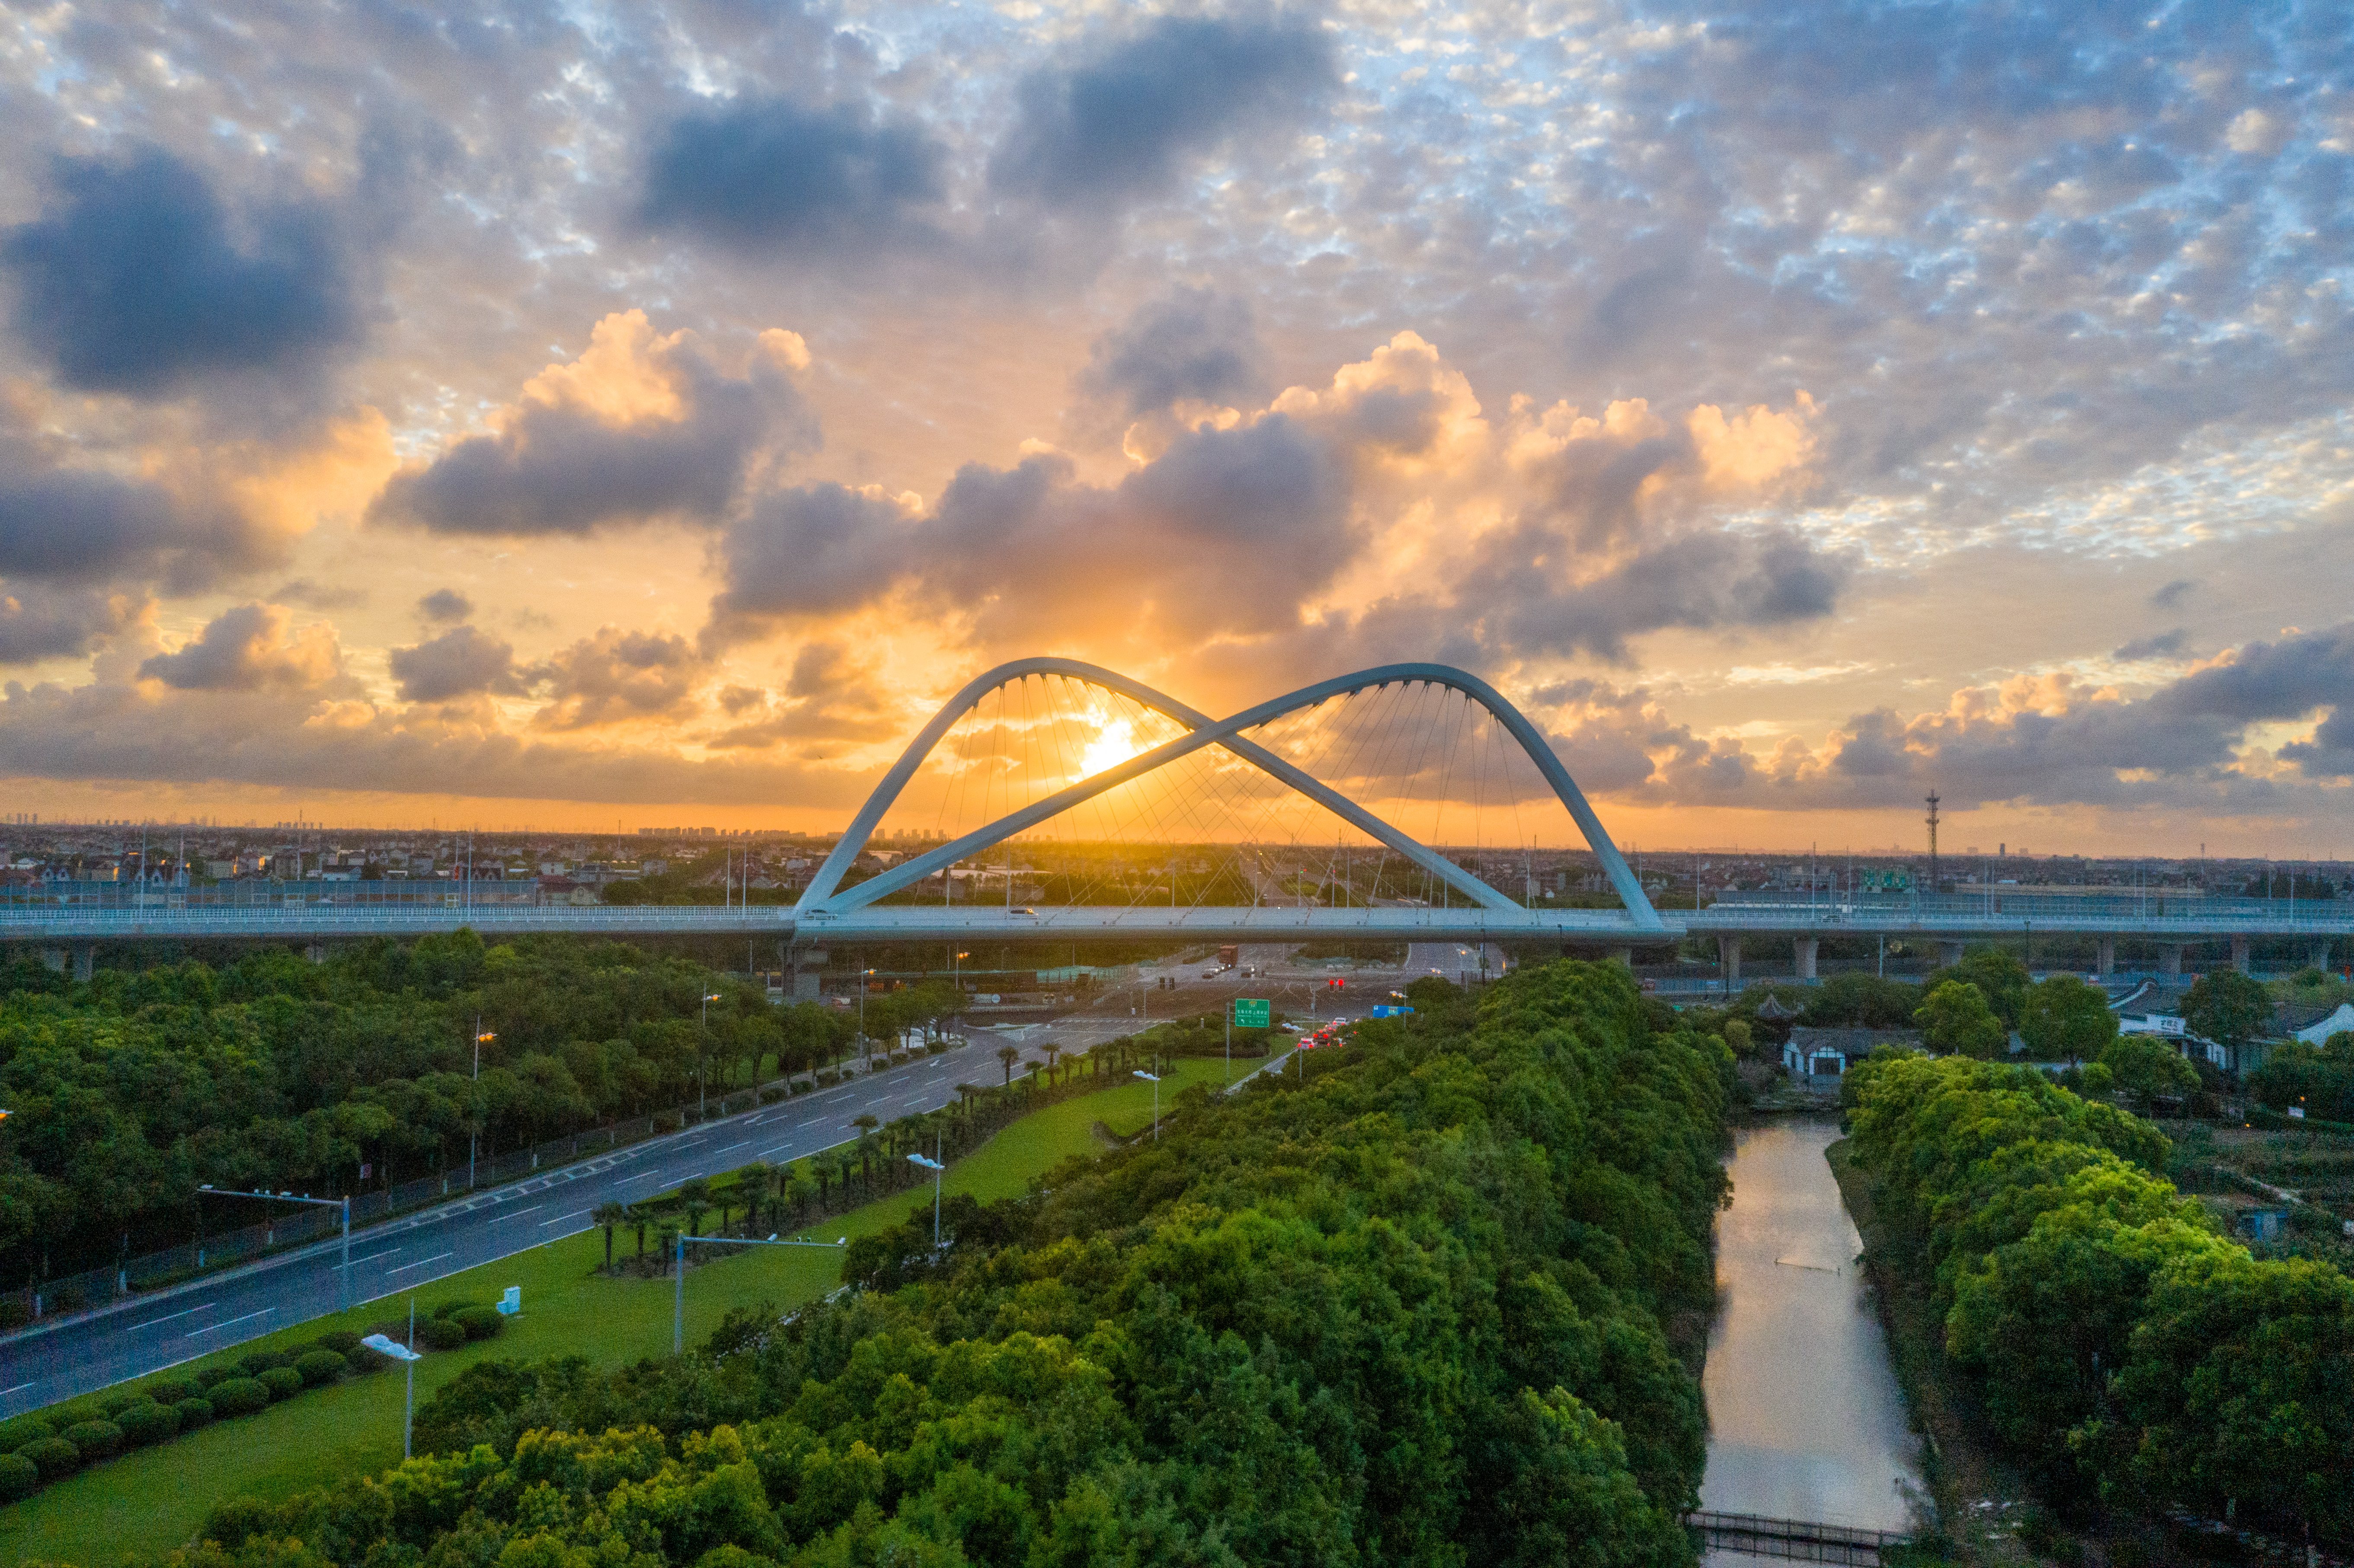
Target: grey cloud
250,648
2170,596
75,525
461,662
558,469
1122,122
615,675
804,552
2164,645
1193,344
140,280
773,177
443,606
39,623
830,695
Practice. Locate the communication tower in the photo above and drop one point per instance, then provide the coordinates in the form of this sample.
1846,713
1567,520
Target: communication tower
1932,841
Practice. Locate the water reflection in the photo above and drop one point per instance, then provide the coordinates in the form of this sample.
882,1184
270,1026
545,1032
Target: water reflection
1805,1420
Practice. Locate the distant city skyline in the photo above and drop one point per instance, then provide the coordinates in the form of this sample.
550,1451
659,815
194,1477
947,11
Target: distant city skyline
526,418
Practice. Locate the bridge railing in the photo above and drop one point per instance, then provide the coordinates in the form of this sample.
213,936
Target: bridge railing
1803,1540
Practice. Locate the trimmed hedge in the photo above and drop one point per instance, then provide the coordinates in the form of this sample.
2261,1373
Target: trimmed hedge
95,1439
343,1341
195,1413
239,1396
263,1361
315,1367
173,1390
479,1322
148,1421
54,1457
18,1477
440,1334
281,1381
209,1376
23,1429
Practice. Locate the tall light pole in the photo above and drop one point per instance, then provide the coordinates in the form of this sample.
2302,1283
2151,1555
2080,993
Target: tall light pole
866,978
475,1133
1155,1079
935,1167
703,1064
393,1349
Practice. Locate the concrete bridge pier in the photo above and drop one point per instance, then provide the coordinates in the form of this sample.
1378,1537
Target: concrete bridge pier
2240,946
2107,963
1728,955
1624,957
1948,954
1806,947
2319,956
54,958
2169,957
315,951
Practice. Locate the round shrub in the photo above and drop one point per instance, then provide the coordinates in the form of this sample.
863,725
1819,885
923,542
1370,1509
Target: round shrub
18,1477
95,1439
209,1377
440,1334
173,1390
114,1405
315,1367
13,1314
262,1362
239,1396
343,1341
53,1456
23,1429
363,1360
147,1423
479,1322
195,1413
281,1381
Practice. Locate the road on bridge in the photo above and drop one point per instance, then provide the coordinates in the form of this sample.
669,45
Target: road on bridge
161,1328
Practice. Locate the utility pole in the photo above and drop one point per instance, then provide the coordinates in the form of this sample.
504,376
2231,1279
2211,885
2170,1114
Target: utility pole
1933,842
474,1134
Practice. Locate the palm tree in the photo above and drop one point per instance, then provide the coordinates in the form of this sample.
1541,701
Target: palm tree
694,1196
1050,1051
1009,1055
609,1214
638,1218
755,1182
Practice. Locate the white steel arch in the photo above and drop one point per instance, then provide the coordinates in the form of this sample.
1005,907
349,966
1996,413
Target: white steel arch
826,896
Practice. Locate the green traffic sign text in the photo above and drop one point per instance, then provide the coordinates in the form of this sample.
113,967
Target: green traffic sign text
1254,1013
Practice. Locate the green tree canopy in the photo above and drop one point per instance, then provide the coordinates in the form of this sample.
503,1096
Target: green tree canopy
2065,1020
1954,1018
2227,1007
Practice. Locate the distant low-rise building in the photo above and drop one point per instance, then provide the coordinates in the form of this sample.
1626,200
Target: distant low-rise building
1829,1053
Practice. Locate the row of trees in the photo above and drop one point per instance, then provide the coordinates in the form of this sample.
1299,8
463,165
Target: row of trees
130,1091
2119,1342
1439,1300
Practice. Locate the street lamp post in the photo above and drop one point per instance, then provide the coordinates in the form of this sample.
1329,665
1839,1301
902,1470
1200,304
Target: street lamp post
475,1133
935,1167
1155,1079
678,1296
344,1204
702,1066
393,1349
865,979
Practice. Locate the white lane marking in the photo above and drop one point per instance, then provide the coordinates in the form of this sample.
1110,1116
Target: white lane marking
521,1212
640,1176
731,1148
18,1389
169,1316
420,1263
561,1218
233,1322
371,1257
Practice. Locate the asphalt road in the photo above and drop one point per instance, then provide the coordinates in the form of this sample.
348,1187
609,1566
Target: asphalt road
164,1328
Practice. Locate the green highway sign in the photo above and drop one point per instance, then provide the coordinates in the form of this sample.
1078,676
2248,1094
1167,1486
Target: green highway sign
1254,1013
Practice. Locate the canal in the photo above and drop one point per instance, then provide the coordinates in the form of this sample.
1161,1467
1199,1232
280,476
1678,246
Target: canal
1805,1419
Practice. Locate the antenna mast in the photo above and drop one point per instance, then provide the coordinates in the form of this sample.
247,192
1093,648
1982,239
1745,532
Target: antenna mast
1932,841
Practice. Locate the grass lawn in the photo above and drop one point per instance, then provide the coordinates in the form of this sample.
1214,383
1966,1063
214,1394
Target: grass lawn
153,1500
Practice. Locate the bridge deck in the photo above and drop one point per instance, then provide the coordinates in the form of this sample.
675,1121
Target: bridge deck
1794,1538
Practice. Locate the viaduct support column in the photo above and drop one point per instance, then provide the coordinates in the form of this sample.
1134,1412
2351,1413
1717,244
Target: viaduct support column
2169,957
1948,954
2320,955
2107,963
1806,947
2240,946
315,951
1624,957
85,962
54,958
1728,955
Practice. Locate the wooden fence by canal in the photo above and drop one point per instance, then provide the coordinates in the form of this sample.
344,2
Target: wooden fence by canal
1794,1538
